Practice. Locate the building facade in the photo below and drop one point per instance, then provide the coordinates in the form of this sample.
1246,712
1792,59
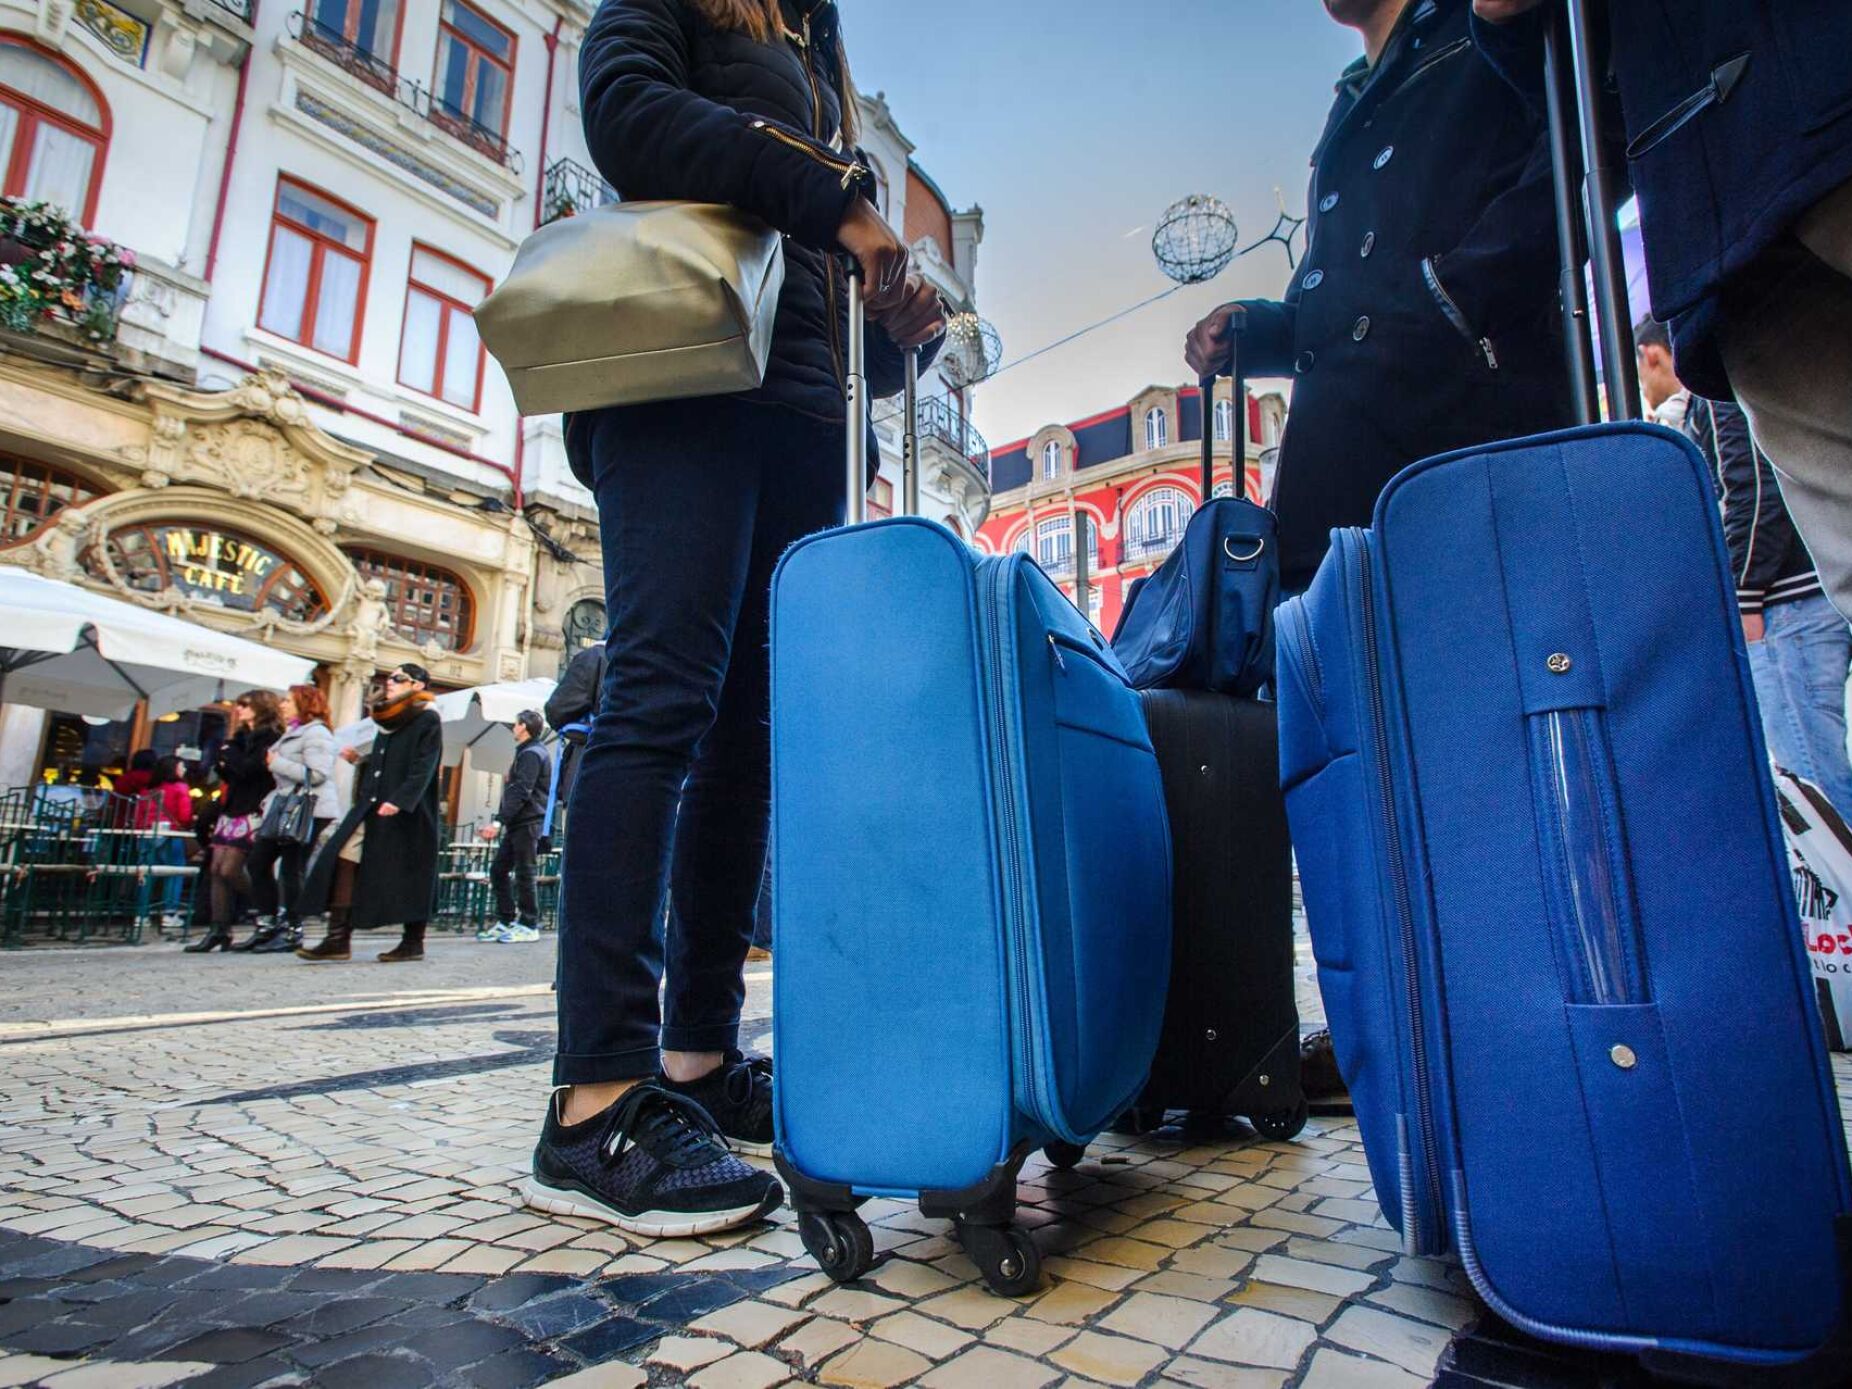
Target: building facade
280,421
1135,473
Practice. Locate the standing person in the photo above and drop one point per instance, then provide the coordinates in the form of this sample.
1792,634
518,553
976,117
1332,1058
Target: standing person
301,760
1739,127
395,802
244,782
1668,402
517,827
165,807
139,776
749,103
571,706
1424,315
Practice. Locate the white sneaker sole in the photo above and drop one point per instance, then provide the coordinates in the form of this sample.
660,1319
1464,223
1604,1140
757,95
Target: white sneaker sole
651,1224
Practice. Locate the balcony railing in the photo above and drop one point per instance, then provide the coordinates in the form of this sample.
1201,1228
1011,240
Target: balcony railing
938,420
572,188
1156,547
376,72
243,9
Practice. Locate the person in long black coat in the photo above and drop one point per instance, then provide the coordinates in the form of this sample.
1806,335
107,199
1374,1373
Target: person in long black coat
396,807
1424,316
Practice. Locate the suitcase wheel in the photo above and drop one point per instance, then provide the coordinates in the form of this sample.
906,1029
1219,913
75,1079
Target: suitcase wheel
839,1241
1281,1124
1064,1156
1005,1255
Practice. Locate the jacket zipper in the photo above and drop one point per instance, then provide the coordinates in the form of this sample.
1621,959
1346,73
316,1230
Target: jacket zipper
829,265
852,172
1424,1147
1454,314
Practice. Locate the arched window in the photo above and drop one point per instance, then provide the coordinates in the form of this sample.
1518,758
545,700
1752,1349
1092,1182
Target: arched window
1157,429
32,493
1156,521
1051,460
1054,544
426,603
211,564
1224,488
1224,421
585,626
54,130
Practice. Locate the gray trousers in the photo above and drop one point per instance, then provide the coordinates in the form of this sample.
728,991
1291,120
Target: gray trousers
1790,363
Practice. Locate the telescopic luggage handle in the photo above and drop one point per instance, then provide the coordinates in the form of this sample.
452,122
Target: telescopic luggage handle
855,467
1238,418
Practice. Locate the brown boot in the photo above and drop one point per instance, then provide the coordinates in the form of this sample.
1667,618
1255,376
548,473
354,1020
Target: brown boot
333,946
410,946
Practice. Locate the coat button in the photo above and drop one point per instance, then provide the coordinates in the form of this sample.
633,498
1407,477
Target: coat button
1329,201
1362,330
1314,280
1304,364
1384,156
1369,244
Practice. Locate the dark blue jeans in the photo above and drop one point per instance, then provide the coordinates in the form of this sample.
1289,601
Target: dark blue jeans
697,499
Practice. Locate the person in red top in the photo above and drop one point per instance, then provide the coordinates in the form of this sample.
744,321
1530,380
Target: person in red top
138,778
164,808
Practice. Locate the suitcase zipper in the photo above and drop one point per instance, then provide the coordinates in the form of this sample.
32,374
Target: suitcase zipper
1304,650
1423,1147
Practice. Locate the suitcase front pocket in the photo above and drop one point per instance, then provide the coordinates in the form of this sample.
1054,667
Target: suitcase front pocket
1585,876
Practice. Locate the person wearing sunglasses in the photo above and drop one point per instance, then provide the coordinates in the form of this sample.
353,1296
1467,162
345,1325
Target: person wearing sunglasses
396,809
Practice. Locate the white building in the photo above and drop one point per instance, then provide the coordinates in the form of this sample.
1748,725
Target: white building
316,193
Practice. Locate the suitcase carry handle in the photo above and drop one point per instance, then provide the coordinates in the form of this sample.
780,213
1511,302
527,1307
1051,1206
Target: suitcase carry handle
1238,419
1588,227
855,456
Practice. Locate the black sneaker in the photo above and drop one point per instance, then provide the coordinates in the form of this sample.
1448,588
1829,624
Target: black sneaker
652,1164
739,1096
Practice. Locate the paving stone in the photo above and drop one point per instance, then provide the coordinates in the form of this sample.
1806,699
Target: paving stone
747,1369
686,1353
1130,1253
610,1338
818,1339
1070,1304
452,1347
1248,1336
856,1305
873,1364
59,1337
375,1372
559,1315
603,1377
1206,1374
972,1308
932,1339
1442,1309
992,1369
1317,1308
1109,1359
696,1297
1186,1285
904,1278
1315,1277
518,1369
1169,1321
379,1336
113,1375
751,1324
1332,1369
1415,1346
1108,1277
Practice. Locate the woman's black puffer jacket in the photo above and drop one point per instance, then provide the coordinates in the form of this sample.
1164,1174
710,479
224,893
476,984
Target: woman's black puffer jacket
243,770
678,109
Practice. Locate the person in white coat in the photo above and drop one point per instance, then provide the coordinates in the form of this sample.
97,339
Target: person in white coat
302,760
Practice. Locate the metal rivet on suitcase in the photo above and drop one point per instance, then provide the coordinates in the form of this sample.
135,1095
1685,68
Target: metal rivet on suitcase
1623,1057
1559,663
1211,1034
1266,1080
1204,769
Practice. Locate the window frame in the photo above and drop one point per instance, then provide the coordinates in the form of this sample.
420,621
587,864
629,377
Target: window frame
448,304
880,504
13,470
350,25
1051,460
33,113
442,111
1137,536
389,567
311,290
1160,436
1224,414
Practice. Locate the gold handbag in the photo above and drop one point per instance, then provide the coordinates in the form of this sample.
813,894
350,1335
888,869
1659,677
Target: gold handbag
634,302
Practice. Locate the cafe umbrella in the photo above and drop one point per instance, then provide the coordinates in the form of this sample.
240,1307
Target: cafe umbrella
63,647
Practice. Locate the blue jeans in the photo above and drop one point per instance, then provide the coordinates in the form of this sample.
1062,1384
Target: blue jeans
1800,668
169,852
697,500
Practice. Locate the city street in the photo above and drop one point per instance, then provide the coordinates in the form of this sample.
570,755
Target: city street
231,1171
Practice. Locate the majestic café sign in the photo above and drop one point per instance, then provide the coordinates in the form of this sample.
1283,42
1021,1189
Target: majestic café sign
214,565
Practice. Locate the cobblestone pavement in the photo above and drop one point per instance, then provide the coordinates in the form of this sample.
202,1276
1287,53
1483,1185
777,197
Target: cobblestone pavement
228,1171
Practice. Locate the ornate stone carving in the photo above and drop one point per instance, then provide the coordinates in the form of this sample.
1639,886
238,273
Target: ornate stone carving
370,624
57,550
249,458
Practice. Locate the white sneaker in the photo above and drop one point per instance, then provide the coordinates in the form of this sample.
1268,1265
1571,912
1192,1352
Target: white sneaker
518,934
491,930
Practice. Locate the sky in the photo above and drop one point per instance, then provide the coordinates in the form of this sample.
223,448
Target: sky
1074,125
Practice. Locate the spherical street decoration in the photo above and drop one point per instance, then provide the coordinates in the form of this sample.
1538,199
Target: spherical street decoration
1195,239
972,351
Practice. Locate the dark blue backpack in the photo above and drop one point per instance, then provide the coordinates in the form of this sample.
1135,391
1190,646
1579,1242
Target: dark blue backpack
1204,620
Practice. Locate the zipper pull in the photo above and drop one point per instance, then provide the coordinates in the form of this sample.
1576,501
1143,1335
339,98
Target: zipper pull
1491,357
854,175
1054,649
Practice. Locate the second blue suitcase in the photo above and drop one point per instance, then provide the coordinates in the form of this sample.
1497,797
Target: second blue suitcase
1547,890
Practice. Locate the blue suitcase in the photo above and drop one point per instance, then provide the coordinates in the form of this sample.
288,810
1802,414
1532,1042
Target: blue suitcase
971,911
1551,907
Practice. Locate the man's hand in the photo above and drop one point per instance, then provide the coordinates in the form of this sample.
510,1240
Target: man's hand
350,755
1503,11
917,319
488,831
1754,628
865,234
1206,348
388,809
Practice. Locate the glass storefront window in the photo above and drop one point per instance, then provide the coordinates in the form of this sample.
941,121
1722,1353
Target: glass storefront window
216,566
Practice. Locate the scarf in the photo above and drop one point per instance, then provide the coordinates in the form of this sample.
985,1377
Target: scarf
395,714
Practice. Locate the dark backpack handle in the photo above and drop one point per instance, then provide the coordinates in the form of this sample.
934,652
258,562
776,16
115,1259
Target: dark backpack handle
1237,434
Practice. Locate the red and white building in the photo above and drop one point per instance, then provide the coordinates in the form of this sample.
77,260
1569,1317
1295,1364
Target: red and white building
1135,472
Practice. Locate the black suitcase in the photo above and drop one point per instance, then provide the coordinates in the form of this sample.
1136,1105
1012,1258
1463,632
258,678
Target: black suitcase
1230,1043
